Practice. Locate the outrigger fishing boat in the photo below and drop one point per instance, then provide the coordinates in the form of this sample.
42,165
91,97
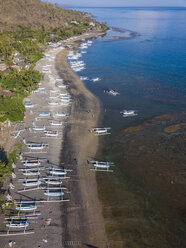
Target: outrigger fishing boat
17,134
59,79
29,105
31,182
65,99
64,95
37,146
53,97
54,193
112,92
38,128
54,91
101,166
44,114
66,104
53,181
53,103
31,173
84,78
51,133
17,222
96,79
60,86
127,113
56,123
57,171
26,206
58,115
101,131
31,162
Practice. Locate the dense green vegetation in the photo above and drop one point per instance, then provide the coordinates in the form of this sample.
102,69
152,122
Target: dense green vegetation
6,164
11,109
20,84
22,81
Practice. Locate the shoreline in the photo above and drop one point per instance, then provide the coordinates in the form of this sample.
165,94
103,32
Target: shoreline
84,205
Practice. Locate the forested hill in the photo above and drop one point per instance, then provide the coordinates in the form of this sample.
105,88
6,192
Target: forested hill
34,13
26,27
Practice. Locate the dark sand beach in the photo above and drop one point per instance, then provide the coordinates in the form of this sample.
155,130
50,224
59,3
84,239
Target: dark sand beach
82,217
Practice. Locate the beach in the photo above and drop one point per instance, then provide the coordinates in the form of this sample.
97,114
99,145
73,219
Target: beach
83,217
78,222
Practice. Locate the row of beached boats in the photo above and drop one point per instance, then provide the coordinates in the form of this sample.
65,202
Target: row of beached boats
32,173
36,174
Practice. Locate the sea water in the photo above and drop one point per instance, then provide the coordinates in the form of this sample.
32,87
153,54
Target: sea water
143,198
148,69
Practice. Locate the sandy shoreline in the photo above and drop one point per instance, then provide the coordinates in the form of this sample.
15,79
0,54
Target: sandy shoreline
83,217
79,222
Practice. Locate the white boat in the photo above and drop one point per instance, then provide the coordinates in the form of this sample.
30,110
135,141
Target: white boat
63,114
55,193
101,131
35,146
101,166
54,91
38,128
65,100
17,223
44,114
84,78
29,105
96,79
60,86
64,95
127,113
53,181
66,104
53,97
26,207
51,133
53,103
59,79
31,163
31,182
31,173
56,171
17,134
56,123
112,92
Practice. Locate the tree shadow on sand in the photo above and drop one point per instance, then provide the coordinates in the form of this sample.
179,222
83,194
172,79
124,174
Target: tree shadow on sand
3,155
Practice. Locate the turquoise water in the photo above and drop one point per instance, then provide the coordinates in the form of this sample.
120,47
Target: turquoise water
148,69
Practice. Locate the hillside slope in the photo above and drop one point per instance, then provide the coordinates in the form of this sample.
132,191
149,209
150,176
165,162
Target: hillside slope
34,13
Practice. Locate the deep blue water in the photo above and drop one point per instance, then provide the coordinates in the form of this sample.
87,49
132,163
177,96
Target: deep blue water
149,70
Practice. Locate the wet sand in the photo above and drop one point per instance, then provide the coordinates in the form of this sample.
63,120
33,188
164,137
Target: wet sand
83,220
